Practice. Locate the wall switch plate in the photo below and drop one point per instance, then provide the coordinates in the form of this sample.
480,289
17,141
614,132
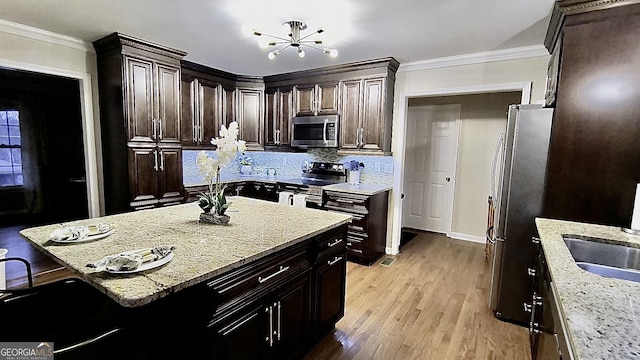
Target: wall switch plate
284,161
377,166
388,168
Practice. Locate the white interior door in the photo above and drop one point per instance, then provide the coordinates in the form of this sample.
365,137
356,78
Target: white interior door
430,163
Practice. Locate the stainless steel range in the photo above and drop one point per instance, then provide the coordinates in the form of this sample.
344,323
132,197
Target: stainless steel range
314,176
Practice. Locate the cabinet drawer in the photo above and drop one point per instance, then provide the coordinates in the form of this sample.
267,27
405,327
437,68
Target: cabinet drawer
359,222
330,245
351,203
254,279
356,243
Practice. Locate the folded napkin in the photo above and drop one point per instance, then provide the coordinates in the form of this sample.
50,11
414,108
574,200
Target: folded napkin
75,233
69,233
131,260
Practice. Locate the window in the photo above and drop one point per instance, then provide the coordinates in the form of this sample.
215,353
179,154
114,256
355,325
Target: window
10,149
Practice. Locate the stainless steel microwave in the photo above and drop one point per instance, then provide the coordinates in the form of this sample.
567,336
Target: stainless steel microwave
315,131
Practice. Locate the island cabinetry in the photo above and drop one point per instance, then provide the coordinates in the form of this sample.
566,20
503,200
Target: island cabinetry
279,112
317,98
366,237
140,110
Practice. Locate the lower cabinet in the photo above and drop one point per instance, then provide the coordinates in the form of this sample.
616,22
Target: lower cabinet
547,334
280,306
275,326
366,239
155,176
256,190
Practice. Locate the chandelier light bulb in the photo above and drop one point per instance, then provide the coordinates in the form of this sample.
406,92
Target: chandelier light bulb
263,43
271,55
301,53
333,52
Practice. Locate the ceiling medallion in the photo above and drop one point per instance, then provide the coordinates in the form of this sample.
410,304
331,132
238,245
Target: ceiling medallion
295,41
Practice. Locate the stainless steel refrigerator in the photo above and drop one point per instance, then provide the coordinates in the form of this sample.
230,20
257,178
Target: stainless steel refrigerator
518,173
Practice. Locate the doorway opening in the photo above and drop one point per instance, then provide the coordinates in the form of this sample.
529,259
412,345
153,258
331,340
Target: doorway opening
446,176
42,158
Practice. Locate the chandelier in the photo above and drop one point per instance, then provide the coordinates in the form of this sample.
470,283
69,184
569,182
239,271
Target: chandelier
294,40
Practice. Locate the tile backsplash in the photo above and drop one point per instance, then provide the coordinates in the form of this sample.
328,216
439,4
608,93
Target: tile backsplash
377,169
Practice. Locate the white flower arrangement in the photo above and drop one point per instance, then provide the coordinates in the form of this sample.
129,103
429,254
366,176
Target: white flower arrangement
227,147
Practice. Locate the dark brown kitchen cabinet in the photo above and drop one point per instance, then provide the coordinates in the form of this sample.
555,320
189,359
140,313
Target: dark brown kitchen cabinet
330,282
278,113
594,154
140,108
365,123
317,99
249,116
366,238
155,176
202,112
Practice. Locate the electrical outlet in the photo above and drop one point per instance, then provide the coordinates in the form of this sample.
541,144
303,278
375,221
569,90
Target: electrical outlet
377,166
284,161
388,168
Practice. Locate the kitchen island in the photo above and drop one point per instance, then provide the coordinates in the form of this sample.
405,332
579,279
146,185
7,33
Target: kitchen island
287,263
600,315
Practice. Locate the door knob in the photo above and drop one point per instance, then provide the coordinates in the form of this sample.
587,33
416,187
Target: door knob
448,179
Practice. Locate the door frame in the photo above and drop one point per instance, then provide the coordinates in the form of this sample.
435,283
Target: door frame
400,132
89,130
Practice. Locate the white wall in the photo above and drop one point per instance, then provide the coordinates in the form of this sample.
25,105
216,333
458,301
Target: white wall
452,80
36,50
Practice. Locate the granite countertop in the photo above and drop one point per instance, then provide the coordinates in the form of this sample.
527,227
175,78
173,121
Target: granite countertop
362,188
257,228
599,312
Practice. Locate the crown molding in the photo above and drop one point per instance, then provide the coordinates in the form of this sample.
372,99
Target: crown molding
43,35
476,58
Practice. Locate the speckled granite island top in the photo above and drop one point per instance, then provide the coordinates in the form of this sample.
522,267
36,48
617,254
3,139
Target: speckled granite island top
602,315
257,228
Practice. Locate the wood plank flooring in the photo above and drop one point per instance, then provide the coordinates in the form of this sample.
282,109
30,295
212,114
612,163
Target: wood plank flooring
43,267
431,303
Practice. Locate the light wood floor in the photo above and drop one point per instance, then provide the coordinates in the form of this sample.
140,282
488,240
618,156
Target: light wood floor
431,303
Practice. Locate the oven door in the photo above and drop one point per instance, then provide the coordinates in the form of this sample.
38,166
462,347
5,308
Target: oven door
315,131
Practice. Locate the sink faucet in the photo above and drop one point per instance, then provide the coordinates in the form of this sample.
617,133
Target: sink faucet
269,171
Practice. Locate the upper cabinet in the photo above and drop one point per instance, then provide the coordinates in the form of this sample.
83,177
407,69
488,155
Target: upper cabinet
317,99
361,93
212,98
278,113
140,112
594,154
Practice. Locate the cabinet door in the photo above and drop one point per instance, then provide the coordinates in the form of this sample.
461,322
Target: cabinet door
243,335
210,112
250,117
143,176
292,317
271,117
330,290
327,98
139,100
350,114
168,110
170,175
285,113
372,114
305,99
188,135
229,105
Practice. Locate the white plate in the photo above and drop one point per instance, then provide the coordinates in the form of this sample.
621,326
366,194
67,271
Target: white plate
145,266
86,238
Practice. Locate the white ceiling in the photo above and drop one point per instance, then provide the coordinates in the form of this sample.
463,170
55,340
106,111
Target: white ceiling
211,30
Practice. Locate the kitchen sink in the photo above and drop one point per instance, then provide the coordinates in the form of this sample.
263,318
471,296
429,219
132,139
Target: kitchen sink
598,257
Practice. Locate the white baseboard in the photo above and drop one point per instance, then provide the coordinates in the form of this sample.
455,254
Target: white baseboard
466,237
390,251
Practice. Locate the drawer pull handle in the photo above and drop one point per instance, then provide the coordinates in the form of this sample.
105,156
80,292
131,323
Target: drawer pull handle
338,241
349,244
331,262
282,269
344,201
356,250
